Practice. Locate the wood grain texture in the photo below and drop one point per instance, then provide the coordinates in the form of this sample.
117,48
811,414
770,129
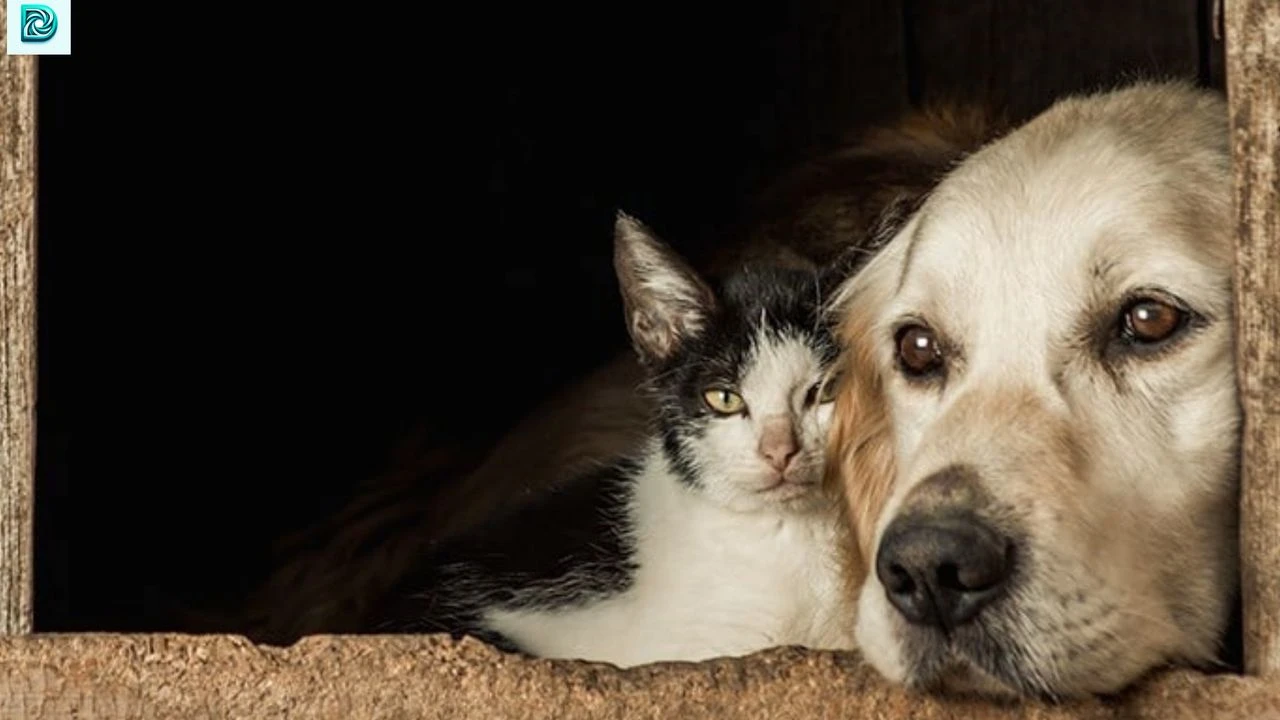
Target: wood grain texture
172,676
17,337
1025,54
1253,86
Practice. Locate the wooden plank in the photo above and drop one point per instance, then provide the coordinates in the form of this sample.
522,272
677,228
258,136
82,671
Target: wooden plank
173,676
1253,86
17,336
1025,54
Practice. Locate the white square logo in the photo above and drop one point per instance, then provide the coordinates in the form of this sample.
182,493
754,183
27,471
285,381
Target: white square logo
38,27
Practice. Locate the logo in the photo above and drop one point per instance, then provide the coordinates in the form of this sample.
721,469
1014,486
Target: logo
39,23
37,27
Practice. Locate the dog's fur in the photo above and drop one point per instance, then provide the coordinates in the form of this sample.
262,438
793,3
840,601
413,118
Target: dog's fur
1112,472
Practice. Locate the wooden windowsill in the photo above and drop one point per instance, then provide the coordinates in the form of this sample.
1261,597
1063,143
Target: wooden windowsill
190,677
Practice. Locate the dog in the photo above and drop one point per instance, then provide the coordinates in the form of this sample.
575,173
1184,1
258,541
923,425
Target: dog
1037,430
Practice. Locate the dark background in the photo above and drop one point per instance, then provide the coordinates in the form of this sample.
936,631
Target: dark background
263,267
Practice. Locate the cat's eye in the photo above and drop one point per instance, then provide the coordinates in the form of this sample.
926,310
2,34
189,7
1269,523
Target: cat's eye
919,352
724,402
828,388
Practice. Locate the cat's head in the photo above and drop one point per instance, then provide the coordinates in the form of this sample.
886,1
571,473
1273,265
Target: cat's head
739,372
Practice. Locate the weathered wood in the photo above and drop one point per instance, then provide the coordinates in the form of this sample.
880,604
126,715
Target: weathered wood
17,336
170,676
1025,54
1253,85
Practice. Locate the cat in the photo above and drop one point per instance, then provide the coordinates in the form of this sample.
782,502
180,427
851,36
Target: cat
328,577
718,538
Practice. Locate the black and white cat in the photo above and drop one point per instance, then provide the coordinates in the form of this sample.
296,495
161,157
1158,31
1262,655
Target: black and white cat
718,539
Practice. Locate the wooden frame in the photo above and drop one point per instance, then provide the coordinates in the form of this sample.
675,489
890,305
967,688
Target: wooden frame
217,676
1253,85
347,677
17,333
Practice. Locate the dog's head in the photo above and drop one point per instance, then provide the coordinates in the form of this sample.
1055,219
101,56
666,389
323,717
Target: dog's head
1038,429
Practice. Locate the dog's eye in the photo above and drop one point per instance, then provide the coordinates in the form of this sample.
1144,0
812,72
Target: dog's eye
918,350
1151,321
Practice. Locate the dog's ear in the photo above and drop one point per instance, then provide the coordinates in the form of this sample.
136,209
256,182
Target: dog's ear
664,299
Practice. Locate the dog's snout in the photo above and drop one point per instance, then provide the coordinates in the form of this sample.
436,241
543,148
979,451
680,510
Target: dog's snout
942,570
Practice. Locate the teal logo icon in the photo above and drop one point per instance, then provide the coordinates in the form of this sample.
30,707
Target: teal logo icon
39,23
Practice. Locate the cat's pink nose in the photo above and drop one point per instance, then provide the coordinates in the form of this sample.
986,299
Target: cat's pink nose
778,443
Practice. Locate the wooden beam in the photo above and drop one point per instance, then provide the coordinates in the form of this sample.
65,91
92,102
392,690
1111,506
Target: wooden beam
17,336
1253,86
192,677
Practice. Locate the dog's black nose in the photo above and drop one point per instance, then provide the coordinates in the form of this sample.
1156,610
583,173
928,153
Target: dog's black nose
942,571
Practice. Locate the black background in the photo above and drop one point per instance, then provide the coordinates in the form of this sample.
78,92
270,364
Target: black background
283,260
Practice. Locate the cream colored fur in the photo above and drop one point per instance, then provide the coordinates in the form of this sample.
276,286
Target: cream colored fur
1116,475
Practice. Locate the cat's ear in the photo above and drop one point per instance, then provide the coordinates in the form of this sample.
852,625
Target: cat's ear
664,299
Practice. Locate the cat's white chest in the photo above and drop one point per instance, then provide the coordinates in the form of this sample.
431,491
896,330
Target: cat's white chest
738,584
711,583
